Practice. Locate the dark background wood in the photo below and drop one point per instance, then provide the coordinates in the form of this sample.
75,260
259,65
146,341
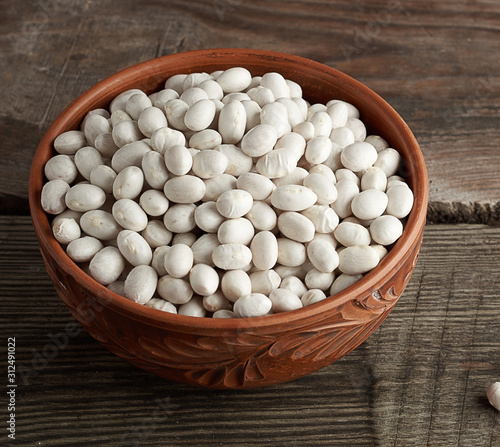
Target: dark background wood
421,379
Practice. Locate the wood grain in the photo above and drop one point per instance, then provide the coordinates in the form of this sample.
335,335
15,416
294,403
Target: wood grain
420,379
436,63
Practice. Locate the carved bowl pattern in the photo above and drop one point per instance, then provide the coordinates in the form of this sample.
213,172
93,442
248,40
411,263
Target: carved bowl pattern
237,353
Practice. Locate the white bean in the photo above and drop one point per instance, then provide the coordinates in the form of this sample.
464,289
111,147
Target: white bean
257,185
158,259
234,203
358,259
140,284
216,301
205,139
53,196
128,183
224,313
179,260
264,247
231,256
277,84
179,218
306,129
291,253
346,191
134,248
323,188
156,234
358,128
262,216
214,187
296,226
207,217
349,233
259,140
130,154
236,231
107,265
343,281
374,178
84,197
203,248
339,113
377,142
174,290
84,248
209,164
161,304
164,138
294,113
264,281
324,218
103,176
284,300
312,296
295,177
388,160
154,202
252,305
200,115
294,284
369,204
400,200
86,159
66,230
322,256
129,215
235,284
184,189
319,280
150,120
235,79
100,224
293,198
175,110
191,96
125,132
261,95
358,156
322,123
386,230
95,125
276,115
69,142
204,279
277,163
232,122
61,167
342,136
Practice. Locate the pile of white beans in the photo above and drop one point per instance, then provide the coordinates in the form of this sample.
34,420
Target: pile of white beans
225,195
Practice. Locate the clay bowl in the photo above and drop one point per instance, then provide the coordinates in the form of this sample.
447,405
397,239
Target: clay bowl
237,353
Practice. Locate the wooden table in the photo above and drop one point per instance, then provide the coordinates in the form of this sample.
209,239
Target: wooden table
421,379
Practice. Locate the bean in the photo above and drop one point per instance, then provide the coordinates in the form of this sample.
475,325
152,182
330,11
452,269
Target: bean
184,189
140,284
179,218
179,260
236,231
369,204
134,248
156,234
204,279
100,224
129,215
53,196
61,167
66,230
84,197
293,198
284,300
69,142
174,290
231,256
232,122
400,200
296,226
235,284
264,247
234,203
84,248
252,305
107,265
358,259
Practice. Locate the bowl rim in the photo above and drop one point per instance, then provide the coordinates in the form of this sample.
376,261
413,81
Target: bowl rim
69,118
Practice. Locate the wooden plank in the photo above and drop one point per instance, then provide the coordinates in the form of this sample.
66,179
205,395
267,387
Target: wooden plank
420,379
435,62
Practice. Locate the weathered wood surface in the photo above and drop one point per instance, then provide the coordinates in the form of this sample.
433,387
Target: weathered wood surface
435,62
419,380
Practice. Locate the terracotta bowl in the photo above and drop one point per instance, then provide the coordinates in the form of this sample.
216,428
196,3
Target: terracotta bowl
237,353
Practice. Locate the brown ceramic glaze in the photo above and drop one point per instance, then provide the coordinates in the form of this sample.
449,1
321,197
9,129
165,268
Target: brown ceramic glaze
237,353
